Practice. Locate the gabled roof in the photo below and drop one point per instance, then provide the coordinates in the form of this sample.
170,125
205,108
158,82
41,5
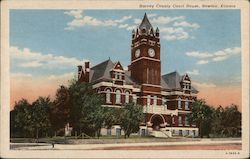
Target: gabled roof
145,23
172,80
101,71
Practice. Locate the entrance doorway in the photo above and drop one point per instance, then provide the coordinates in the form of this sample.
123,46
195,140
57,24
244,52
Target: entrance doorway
157,121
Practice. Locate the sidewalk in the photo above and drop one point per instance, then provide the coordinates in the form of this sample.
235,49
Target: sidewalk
43,146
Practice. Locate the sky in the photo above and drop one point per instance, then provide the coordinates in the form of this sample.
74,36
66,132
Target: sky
47,45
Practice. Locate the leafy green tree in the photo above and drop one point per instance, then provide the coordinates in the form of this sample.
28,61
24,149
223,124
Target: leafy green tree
227,122
217,126
86,113
60,111
40,119
112,117
131,117
21,119
201,115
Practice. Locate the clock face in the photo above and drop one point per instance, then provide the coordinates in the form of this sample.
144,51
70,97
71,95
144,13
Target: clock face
137,53
151,52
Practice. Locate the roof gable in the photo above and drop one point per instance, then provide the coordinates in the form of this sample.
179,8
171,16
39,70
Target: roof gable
118,66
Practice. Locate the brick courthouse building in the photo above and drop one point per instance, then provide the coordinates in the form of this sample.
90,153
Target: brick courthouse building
166,99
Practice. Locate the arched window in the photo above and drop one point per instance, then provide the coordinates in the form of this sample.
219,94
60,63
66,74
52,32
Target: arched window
186,104
127,97
108,96
118,96
134,99
155,100
179,103
148,99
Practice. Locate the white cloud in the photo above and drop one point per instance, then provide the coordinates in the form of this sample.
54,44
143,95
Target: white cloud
171,28
186,24
199,54
80,20
123,26
171,33
217,56
165,20
204,85
75,13
193,72
220,58
28,58
202,62
151,15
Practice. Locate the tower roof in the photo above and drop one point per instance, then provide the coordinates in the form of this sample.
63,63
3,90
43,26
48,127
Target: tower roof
145,23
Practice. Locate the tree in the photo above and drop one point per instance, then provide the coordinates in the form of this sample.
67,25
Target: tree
201,115
60,111
227,122
131,117
21,119
87,113
40,119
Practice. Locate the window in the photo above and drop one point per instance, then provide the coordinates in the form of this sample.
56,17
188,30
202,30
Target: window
127,97
186,121
134,99
180,120
147,75
118,96
173,120
148,100
179,103
118,132
180,132
186,104
155,100
109,132
152,75
108,96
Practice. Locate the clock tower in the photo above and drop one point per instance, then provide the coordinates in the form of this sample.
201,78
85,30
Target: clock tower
145,64
145,54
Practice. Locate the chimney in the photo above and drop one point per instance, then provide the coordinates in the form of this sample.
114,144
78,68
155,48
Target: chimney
79,71
87,70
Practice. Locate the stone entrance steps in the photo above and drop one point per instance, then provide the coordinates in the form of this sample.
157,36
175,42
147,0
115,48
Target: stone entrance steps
161,134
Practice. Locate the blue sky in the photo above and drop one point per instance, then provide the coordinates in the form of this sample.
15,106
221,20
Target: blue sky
204,43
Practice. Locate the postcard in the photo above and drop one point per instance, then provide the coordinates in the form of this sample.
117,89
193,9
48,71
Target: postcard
125,79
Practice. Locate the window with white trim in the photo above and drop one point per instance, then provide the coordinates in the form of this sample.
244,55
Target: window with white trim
127,97
134,99
180,120
155,100
148,99
173,120
118,96
186,121
108,96
186,104
179,103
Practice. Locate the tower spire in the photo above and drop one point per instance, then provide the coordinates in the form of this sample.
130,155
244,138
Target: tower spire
145,23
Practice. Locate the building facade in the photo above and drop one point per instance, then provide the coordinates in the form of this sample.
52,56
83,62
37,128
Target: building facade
166,99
